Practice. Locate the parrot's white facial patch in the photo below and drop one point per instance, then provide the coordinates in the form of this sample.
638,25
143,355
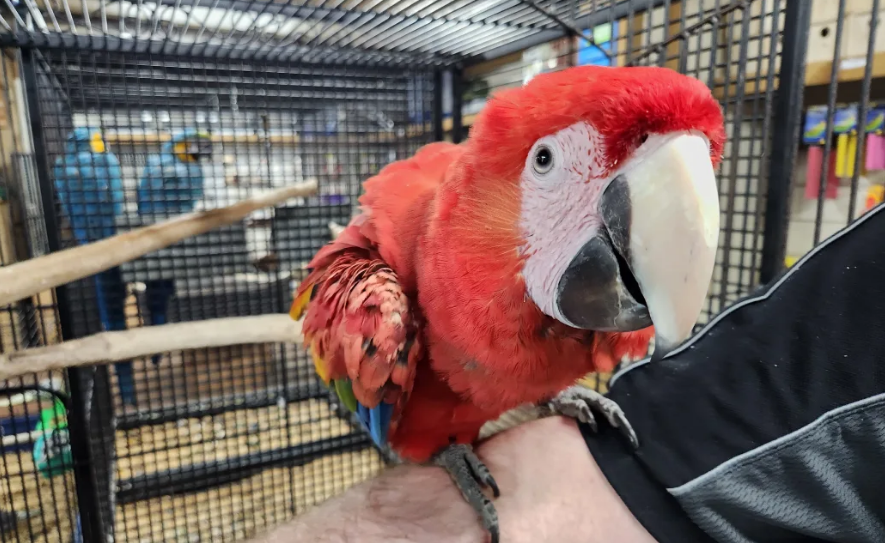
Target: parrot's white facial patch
562,182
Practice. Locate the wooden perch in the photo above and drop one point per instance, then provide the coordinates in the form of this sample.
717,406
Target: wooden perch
510,419
521,415
108,347
39,274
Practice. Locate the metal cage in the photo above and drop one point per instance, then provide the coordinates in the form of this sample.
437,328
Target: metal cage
203,102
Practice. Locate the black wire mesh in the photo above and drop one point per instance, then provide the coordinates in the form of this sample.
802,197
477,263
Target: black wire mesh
192,421
839,170
212,443
123,101
435,31
37,497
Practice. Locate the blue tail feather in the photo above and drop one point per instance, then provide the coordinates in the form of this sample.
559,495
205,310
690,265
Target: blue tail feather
375,425
363,415
381,422
376,421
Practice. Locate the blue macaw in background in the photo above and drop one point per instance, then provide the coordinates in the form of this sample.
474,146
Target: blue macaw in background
89,185
172,184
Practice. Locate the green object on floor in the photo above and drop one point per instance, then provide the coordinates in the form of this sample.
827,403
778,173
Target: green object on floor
52,448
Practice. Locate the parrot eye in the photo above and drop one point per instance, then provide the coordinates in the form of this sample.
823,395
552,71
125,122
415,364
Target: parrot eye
543,162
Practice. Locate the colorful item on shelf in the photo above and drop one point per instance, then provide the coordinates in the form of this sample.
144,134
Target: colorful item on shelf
845,129
815,126
875,146
875,120
875,152
845,119
875,196
846,155
814,135
813,173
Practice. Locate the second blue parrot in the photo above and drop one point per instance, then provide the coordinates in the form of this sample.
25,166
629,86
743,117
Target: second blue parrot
172,184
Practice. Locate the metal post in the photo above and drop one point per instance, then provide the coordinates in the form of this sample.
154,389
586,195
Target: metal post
438,131
88,498
457,104
787,123
864,107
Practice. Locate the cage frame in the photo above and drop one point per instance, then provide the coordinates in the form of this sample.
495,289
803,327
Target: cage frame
541,28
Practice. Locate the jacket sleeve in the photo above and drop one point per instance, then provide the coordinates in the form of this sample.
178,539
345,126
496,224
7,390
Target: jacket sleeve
769,424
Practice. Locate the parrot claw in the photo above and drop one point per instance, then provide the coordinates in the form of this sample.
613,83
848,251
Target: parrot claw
579,402
470,475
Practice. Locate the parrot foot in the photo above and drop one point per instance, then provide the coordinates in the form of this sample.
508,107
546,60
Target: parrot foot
579,402
470,475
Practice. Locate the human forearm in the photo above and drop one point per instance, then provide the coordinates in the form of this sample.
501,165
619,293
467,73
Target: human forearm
551,490
405,503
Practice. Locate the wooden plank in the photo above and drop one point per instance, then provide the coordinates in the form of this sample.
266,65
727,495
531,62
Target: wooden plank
466,120
634,46
818,73
723,90
154,138
674,16
484,68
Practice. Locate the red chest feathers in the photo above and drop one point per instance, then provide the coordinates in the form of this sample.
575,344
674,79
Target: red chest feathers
508,365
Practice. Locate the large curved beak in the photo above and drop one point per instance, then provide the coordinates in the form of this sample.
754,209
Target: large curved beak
653,261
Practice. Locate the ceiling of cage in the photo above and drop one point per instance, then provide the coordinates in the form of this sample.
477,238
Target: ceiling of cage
122,81
383,31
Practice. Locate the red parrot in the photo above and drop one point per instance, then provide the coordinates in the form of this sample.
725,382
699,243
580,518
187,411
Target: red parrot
495,273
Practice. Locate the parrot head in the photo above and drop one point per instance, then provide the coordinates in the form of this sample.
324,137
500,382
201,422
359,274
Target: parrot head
604,179
83,139
191,146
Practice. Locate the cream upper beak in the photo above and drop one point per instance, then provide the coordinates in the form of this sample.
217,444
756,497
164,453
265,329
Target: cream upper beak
673,232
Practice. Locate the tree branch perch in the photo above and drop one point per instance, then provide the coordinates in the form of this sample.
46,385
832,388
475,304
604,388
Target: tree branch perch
39,274
106,347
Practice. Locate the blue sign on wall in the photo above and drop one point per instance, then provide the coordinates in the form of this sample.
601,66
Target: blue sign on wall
605,38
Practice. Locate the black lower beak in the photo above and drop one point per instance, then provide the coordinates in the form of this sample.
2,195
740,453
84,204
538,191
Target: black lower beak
662,349
598,291
203,149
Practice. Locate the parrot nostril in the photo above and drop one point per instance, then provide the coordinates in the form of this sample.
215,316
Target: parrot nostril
643,138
